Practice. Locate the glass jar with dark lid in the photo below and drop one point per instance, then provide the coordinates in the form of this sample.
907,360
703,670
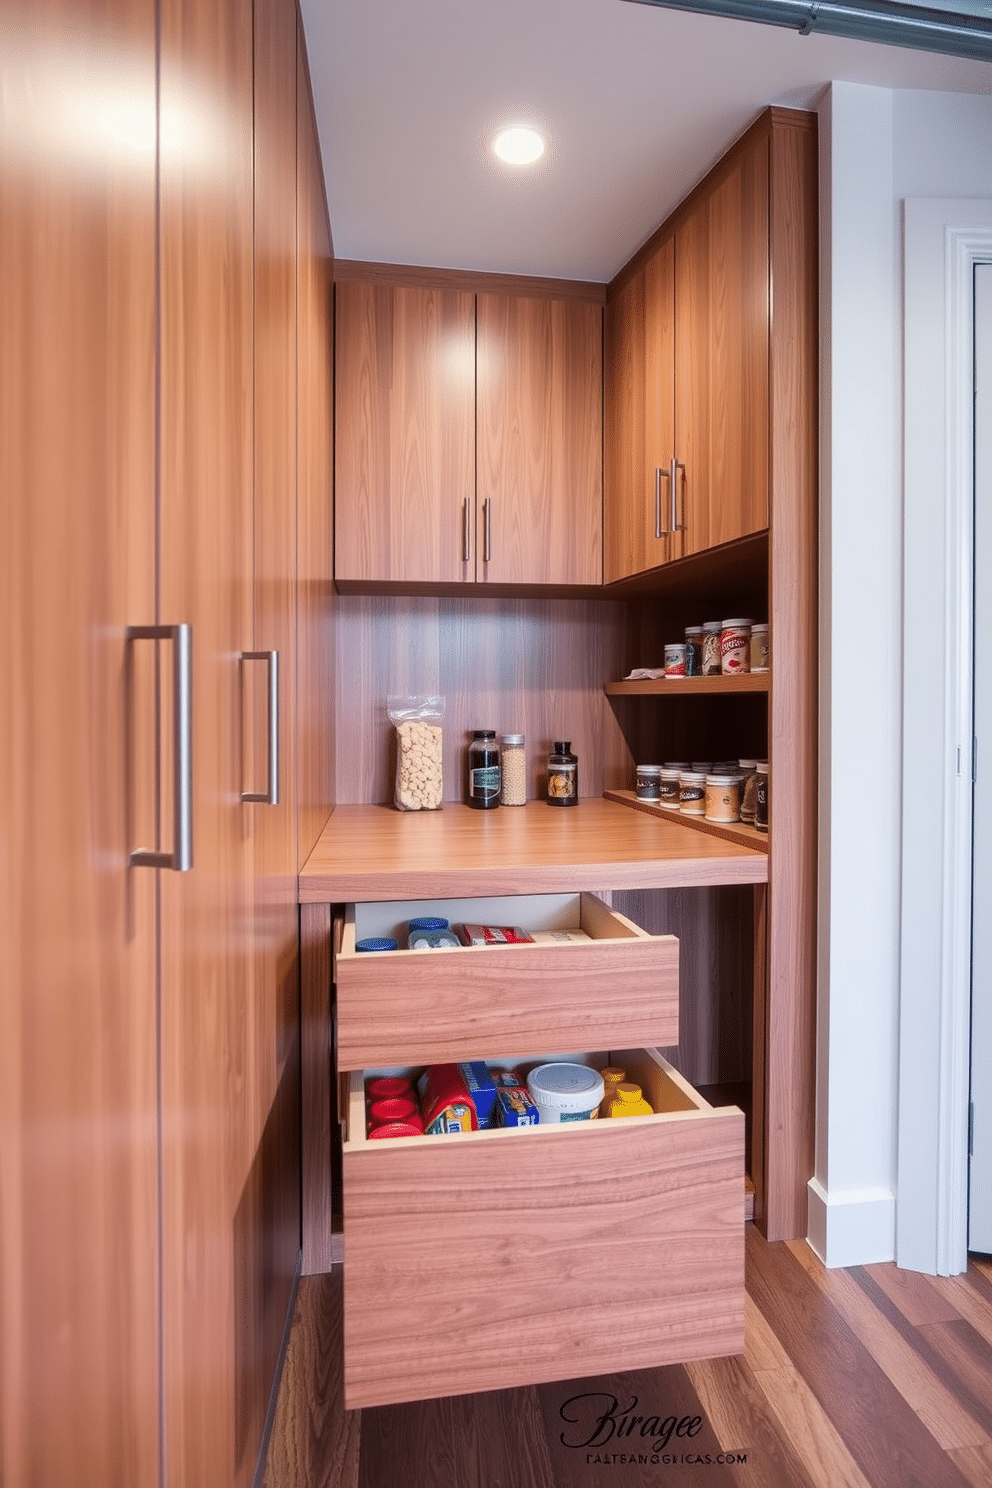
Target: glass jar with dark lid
563,775
484,777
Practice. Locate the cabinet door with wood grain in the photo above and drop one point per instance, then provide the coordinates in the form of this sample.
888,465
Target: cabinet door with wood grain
639,393
79,1335
213,1383
721,357
539,490
404,487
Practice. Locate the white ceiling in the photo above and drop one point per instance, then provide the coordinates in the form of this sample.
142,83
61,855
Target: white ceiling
637,103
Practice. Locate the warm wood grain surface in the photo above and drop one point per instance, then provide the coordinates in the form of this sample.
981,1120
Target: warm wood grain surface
79,1380
546,1280
688,686
539,440
838,1386
738,832
376,852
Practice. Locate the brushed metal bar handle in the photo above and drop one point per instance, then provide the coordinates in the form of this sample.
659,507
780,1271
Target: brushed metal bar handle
487,532
466,531
180,859
659,476
673,480
270,795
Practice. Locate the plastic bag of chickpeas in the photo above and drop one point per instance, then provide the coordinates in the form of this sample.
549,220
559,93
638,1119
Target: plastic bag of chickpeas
417,721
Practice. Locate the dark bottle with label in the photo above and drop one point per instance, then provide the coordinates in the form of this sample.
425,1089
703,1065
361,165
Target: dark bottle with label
563,775
484,781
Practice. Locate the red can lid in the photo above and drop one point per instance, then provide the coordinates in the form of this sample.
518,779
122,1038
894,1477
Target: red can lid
385,1087
394,1108
397,1129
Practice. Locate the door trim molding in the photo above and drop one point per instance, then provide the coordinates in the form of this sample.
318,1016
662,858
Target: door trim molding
943,241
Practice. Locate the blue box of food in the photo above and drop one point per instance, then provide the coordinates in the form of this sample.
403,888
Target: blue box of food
514,1107
482,1088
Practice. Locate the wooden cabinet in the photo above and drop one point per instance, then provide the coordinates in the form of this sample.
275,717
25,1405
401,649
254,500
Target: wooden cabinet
468,436
687,375
149,1232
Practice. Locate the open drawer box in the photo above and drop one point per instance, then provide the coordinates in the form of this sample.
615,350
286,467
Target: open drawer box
432,1007
500,1258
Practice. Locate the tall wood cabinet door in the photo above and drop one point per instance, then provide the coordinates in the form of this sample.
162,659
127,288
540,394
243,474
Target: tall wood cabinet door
213,1386
79,1384
721,357
639,383
273,1185
404,484
539,490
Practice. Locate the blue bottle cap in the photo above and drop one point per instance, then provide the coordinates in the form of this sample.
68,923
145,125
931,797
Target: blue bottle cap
376,943
429,922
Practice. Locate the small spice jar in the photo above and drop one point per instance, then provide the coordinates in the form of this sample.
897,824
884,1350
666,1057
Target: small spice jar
563,775
514,771
675,659
692,793
760,648
749,789
694,650
483,770
735,647
648,782
723,798
711,649
668,789
761,799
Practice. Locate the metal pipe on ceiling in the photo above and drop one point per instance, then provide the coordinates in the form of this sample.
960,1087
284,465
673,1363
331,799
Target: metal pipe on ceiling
963,29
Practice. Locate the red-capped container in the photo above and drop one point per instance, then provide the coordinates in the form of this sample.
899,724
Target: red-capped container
394,1108
396,1129
389,1087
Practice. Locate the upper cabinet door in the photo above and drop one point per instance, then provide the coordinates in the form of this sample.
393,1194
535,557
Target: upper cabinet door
638,526
539,490
404,434
721,358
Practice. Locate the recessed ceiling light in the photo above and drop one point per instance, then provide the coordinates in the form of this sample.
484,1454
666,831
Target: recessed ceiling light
519,145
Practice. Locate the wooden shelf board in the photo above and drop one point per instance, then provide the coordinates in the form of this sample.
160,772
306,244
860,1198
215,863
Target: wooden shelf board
738,832
379,853
683,686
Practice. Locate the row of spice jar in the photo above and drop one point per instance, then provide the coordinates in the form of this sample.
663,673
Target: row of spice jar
725,791
727,648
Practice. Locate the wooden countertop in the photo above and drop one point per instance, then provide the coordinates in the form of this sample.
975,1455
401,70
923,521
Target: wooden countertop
377,852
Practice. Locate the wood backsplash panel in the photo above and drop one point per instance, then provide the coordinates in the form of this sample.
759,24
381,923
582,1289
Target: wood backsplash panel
531,666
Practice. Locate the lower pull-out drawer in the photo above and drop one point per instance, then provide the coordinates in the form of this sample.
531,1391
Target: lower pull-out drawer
429,1007
510,1257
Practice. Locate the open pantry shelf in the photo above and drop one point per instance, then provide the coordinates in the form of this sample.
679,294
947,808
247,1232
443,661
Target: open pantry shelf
738,832
680,686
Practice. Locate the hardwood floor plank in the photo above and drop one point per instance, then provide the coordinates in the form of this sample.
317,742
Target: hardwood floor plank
738,1411
827,1461
975,1463
499,1441
939,1343
920,1299
979,1275
314,1441
897,1355
412,1444
887,1440
972,1304
583,1456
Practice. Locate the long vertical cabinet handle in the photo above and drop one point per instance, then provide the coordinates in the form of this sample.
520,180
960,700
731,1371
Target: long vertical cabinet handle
270,795
659,476
487,530
180,859
466,531
673,482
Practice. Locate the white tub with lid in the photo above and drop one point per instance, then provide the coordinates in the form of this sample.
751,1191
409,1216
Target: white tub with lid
565,1092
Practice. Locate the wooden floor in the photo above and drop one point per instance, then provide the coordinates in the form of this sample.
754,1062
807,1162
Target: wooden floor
871,1376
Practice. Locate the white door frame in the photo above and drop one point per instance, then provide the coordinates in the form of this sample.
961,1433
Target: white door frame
943,241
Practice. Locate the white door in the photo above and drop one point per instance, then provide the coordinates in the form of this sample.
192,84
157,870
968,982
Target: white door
980,1169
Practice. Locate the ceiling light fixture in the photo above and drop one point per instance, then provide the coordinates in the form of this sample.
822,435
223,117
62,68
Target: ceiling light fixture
519,145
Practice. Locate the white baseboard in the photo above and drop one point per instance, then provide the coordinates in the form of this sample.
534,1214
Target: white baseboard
856,1227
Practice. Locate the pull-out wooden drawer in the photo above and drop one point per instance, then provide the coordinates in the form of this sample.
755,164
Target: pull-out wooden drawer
431,1007
495,1259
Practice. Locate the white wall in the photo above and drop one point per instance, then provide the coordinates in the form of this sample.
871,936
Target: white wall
877,147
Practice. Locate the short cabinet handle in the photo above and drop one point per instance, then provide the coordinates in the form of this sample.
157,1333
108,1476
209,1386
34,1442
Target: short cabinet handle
180,859
270,795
